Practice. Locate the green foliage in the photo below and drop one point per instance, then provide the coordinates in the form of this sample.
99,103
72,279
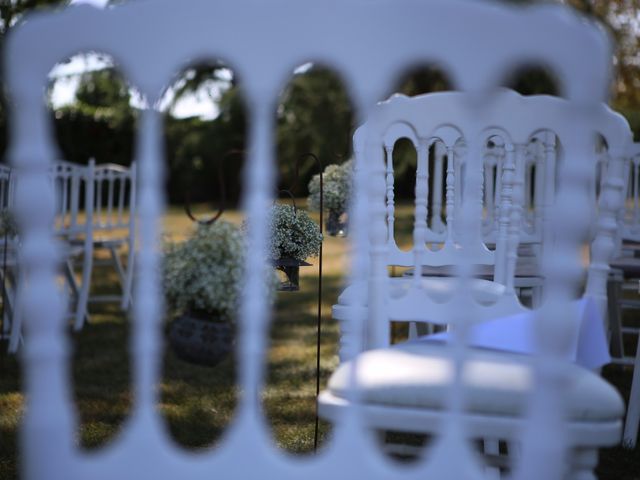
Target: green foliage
199,151
314,115
100,124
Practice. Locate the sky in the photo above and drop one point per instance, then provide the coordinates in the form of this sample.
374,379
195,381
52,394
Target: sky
67,77
202,103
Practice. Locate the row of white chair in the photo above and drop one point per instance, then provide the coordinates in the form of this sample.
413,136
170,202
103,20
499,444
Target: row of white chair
94,211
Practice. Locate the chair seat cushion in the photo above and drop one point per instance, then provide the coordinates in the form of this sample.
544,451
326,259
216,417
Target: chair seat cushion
484,291
497,383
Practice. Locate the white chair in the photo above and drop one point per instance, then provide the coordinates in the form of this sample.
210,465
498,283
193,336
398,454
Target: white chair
625,277
72,185
114,225
447,111
74,189
409,387
6,196
368,47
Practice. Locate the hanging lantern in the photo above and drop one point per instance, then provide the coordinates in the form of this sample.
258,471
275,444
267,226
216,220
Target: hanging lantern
290,267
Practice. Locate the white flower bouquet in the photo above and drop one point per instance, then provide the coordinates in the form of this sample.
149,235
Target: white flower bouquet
203,274
337,183
293,234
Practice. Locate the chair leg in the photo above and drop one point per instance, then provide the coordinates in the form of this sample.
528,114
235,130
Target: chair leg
128,280
82,310
16,324
582,464
615,318
118,264
630,435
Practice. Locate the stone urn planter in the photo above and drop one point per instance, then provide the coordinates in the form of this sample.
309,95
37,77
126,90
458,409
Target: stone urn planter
199,339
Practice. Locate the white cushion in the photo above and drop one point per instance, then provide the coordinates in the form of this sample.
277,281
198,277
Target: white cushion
497,383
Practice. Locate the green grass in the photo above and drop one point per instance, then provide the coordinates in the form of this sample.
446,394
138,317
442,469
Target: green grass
198,403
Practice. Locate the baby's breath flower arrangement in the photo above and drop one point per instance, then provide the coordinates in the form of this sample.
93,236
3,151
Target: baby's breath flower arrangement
293,234
336,182
203,274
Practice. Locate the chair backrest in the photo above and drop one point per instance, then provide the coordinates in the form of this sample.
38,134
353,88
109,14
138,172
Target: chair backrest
536,165
115,197
515,121
629,219
74,192
370,44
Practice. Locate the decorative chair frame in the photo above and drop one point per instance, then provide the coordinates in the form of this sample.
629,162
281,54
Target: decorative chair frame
416,303
269,39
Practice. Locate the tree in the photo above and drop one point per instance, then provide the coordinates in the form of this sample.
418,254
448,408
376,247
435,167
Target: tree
100,123
11,11
314,116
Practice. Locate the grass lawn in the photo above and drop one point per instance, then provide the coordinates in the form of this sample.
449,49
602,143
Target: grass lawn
198,402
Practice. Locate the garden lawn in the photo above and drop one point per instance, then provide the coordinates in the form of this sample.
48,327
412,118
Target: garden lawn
197,403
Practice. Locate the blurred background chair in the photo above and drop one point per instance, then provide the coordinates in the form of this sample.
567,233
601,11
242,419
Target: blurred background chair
624,282
114,226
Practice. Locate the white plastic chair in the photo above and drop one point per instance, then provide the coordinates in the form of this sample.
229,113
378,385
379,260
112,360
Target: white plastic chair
411,387
6,197
368,47
72,185
447,111
114,225
626,277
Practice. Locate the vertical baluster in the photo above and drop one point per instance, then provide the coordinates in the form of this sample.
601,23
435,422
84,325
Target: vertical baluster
420,220
98,206
450,186
604,243
74,194
506,194
149,306
458,157
48,428
378,331
550,158
111,180
122,186
65,198
255,311
351,332
515,213
436,198
390,196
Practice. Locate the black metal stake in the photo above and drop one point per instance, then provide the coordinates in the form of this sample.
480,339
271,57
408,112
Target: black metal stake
319,319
